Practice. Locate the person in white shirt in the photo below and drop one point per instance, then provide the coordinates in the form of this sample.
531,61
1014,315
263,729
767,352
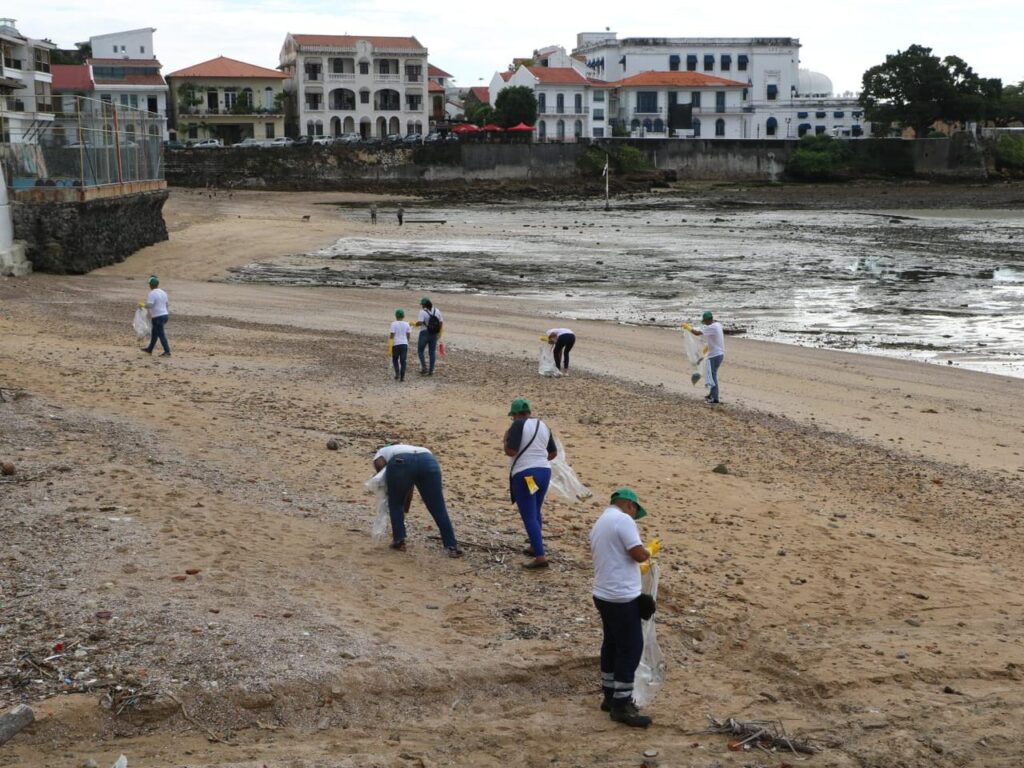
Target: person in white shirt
617,552
156,303
429,317
530,446
408,467
399,336
714,336
564,340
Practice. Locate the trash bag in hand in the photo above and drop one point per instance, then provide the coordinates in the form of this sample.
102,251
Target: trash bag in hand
141,323
378,485
696,352
546,366
650,673
563,478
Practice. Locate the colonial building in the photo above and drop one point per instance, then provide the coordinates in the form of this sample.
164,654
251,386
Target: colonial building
124,70
439,86
563,99
781,100
227,99
338,84
26,104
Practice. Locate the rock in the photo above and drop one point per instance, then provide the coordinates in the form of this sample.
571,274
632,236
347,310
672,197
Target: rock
332,444
7,468
721,469
913,622
902,655
90,763
650,753
104,614
192,571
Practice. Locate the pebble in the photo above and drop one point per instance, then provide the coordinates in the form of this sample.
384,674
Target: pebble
902,655
7,468
650,753
332,444
721,469
104,614
913,622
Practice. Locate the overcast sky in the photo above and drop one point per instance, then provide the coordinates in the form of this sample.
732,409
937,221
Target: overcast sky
471,39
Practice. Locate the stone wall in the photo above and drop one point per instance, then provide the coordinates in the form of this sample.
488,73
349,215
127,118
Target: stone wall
76,237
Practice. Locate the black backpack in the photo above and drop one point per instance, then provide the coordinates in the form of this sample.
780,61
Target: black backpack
433,323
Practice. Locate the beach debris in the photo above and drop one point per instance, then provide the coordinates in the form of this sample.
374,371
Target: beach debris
121,762
7,468
332,444
721,469
766,735
14,721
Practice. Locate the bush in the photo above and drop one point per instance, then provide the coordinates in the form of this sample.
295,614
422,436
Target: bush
819,158
933,134
622,159
1010,151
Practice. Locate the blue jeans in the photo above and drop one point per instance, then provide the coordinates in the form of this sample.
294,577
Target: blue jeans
158,333
621,648
399,355
714,362
424,340
564,345
421,470
530,504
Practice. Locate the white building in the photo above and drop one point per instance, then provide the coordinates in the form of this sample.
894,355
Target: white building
563,99
124,70
26,102
781,100
339,84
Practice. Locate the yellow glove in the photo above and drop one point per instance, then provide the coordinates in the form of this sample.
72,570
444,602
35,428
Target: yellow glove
687,327
544,338
645,566
391,345
654,546
142,305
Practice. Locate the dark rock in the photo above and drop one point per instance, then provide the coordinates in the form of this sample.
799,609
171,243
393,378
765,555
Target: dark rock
721,469
332,444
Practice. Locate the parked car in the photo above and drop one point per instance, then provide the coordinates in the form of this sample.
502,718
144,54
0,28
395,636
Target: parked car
280,141
452,137
322,141
348,138
392,139
413,138
370,142
207,144
249,143
173,145
303,141
433,137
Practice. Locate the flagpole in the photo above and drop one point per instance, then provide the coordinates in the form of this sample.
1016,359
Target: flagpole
607,173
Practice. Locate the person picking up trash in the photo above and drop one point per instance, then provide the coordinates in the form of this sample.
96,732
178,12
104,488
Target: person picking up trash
398,343
531,446
408,467
563,341
715,338
617,552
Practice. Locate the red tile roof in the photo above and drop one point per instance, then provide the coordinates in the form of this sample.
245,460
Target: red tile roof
349,41
678,79
133,80
482,94
558,75
433,71
222,66
433,87
506,75
71,77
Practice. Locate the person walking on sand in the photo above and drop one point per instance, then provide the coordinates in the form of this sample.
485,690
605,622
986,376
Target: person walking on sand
531,446
399,341
412,466
430,323
373,213
617,552
156,304
564,340
715,338
401,215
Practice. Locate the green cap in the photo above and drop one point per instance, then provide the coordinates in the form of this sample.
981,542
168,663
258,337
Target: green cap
424,301
707,316
630,495
154,280
519,405
399,313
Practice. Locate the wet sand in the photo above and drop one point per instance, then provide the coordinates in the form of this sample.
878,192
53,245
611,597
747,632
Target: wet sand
855,574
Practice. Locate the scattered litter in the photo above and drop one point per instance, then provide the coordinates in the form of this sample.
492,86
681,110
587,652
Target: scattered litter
767,735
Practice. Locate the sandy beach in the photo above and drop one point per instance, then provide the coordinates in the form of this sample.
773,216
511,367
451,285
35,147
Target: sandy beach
180,527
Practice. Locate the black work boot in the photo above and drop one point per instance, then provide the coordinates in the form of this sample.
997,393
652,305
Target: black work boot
628,714
606,703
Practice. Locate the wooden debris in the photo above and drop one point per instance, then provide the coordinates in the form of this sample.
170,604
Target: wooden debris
14,721
762,734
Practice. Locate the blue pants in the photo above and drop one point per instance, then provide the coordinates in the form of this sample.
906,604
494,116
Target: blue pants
563,345
421,470
714,362
424,340
158,333
530,504
399,355
621,648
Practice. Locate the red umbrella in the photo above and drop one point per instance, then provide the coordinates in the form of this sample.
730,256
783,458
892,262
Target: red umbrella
520,127
465,128
491,127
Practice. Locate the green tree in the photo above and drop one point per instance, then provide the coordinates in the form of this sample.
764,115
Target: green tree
515,105
1011,105
477,111
188,97
915,88
818,158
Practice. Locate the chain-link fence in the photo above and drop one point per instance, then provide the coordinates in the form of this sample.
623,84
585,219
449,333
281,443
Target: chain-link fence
91,143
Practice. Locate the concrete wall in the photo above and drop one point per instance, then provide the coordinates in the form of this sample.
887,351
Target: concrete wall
76,237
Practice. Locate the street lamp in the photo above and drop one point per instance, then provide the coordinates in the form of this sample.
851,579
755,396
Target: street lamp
788,134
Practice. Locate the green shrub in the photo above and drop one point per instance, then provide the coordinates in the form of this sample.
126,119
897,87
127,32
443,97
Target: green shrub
630,159
622,159
819,158
933,134
1010,151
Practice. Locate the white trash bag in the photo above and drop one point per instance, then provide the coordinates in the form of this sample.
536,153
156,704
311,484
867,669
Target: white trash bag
564,479
141,323
546,366
697,353
382,523
650,673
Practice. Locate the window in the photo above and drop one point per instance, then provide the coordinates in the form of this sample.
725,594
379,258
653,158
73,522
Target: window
542,130
726,62
577,129
599,113
193,131
268,98
152,104
741,63
819,130
696,128
560,103
719,127
599,133
801,114
364,97
857,114
647,101
803,128
659,125
695,99
771,127
599,97
142,49
856,130
364,67
413,73
820,115
312,70
773,92
542,103
231,98
673,63
838,114
691,63
719,101
268,130
578,103
414,103
709,62
115,49
42,60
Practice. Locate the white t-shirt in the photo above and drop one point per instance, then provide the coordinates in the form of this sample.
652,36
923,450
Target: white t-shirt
424,314
401,330
389,451
156,302
558,332
536,456
616,574
715,337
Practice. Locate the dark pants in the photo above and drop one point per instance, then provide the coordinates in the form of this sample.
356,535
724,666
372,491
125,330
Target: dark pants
621,649
399,356
158,333
714,362
563,344
422,471
424,340
530,504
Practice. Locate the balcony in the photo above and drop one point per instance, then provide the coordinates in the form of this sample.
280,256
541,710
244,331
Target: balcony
341,77
12,63
564,111
12,104
641,113
413,78
387,77
314,76
314,106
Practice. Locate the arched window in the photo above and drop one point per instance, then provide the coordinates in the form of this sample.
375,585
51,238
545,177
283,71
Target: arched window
579,103
542,104
335,126
648,124
771,127
719,127
410,127
268,98
387,100
659,125
395,126
578,129
318,128
310,127
542,130
560,103
382,127
349,126
635,125
247,97
560,129
696,127
342,99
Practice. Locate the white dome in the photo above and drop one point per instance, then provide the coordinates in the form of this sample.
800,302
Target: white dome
814,84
